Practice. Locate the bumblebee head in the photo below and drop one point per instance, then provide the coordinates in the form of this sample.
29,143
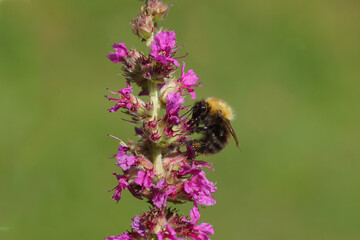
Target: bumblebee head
199,110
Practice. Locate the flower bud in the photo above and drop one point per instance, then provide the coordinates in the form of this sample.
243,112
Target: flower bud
143,26
137,68
158,10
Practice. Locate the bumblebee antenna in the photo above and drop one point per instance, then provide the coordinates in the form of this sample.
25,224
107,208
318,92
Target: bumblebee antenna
187,112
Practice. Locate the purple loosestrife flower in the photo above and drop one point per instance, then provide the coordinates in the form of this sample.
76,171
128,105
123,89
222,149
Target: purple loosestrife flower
124,236
199,187
125,100
187,82
144,179
133,105
173,107
121,186
124,161
120,53
163,48
161,193
169,233
137,226
201,231
164,223
184,85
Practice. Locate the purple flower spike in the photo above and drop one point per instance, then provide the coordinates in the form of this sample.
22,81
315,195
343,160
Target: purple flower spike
119,54
160,164
163,47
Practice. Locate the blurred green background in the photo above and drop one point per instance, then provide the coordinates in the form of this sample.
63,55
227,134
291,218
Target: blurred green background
290,69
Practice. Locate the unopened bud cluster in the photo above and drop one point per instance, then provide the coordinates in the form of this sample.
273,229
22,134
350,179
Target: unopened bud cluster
160,167
145,24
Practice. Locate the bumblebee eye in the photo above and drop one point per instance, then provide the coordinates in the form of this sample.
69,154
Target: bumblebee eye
197,110
203,106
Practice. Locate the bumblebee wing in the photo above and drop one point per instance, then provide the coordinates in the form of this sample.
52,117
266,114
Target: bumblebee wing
228,125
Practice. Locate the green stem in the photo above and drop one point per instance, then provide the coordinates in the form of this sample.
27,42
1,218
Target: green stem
154,99
156,157
148,42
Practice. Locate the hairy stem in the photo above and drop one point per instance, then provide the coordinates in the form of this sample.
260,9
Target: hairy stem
154,99
156,157
148,42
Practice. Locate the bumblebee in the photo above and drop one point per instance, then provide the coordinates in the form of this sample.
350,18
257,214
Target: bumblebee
211,118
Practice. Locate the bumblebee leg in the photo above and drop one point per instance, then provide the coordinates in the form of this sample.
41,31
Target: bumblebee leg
193,143
194,122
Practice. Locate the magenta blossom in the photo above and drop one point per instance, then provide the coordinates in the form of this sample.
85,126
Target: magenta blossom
173,106
187,81
124,236
122,184
172,226
199,187
161,194
119,54
169,234
201,231
126,100
126,91
137,226
124,161
144,179
163,48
